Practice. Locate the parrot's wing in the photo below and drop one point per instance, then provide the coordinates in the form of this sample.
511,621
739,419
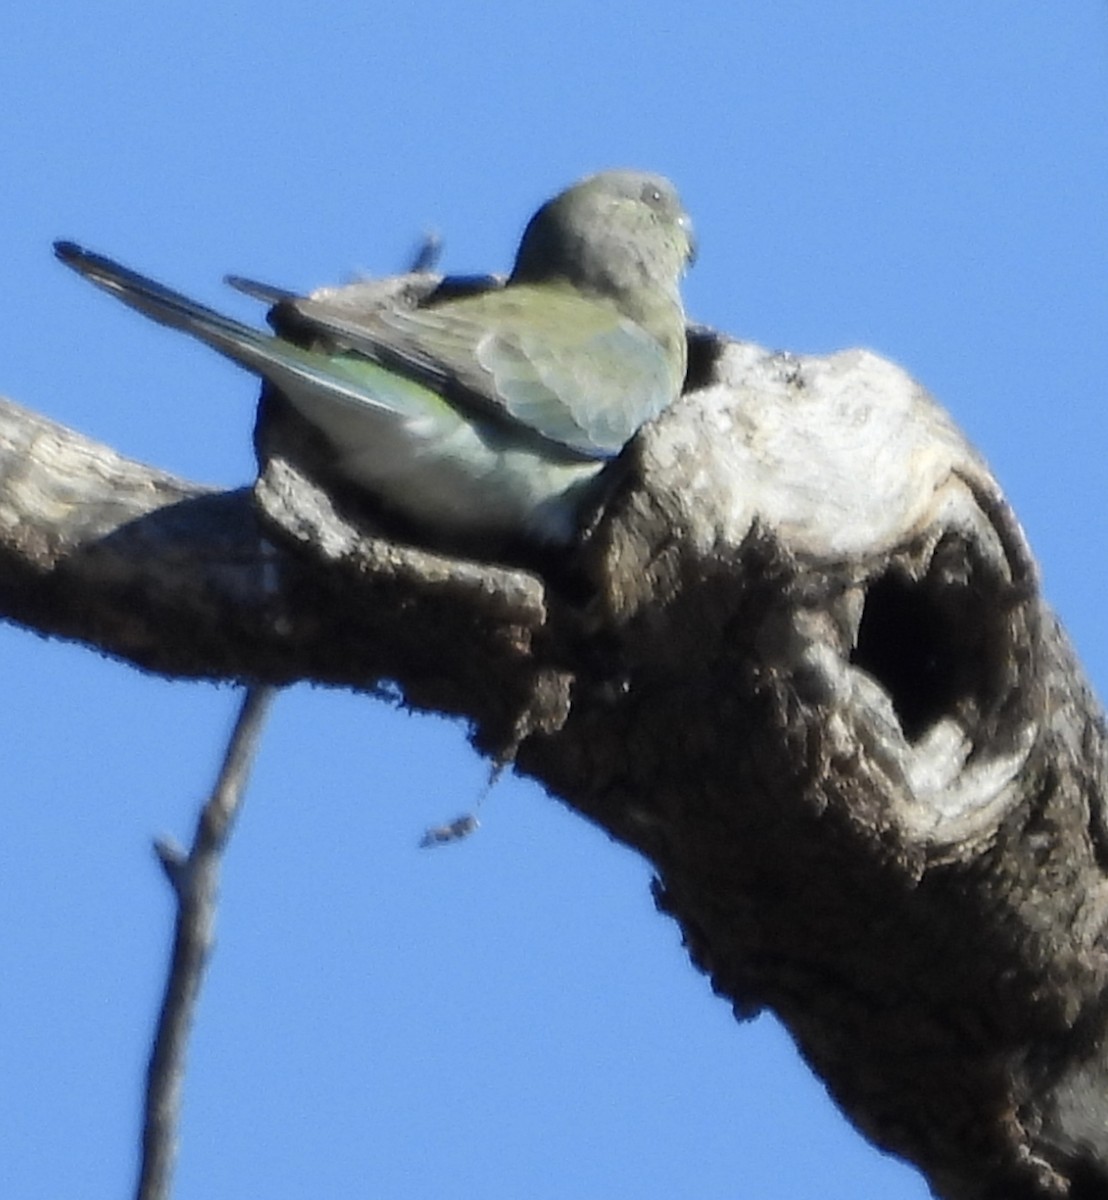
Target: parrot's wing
560,365
256,290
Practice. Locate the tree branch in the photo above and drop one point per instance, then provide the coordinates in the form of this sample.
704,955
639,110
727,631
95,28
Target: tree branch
813,682
195,881
183,580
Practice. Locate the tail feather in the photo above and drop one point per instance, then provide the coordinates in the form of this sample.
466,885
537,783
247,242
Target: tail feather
316,383
232,338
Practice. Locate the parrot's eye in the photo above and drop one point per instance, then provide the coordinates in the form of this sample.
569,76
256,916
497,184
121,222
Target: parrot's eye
652,196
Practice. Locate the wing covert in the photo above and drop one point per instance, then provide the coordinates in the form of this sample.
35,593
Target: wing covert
565,367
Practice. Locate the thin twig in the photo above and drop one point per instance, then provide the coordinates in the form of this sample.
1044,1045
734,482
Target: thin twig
195,881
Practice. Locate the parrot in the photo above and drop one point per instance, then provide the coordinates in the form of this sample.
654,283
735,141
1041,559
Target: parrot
489,416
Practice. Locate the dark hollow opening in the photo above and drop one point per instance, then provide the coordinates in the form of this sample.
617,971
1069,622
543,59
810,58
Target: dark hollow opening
910,646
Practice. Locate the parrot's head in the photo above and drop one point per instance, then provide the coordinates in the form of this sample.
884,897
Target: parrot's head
618,234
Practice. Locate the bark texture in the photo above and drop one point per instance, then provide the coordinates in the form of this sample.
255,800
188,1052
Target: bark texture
803,666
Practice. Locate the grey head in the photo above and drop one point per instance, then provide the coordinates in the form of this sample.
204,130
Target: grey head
621,235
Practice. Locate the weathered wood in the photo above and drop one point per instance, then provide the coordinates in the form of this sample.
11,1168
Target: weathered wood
811,678
183,580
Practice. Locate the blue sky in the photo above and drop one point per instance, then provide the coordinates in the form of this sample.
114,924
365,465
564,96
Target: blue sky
508,1017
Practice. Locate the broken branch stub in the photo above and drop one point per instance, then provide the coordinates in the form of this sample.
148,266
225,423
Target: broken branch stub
836,715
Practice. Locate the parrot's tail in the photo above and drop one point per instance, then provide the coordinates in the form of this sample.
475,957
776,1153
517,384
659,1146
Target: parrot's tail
248,347
318,384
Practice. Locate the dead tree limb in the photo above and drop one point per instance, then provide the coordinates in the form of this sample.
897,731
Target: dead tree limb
813,682
194,877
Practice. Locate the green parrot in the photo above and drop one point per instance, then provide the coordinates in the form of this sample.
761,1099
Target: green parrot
487,416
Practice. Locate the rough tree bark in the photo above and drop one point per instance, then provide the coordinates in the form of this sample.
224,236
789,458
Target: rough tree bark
811,679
